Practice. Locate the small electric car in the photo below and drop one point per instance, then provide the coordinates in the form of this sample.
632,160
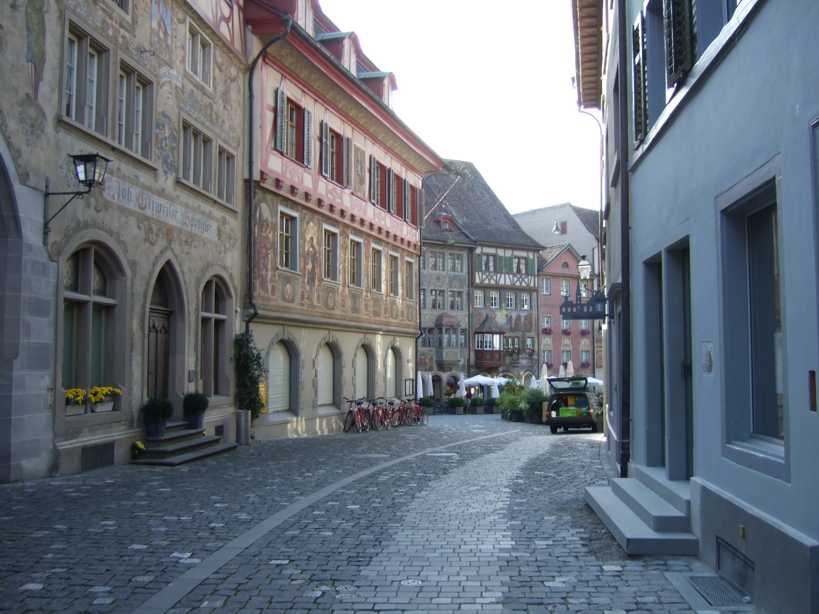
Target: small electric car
569,405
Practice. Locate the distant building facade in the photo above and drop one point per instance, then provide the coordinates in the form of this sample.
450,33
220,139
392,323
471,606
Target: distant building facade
501,297
569,233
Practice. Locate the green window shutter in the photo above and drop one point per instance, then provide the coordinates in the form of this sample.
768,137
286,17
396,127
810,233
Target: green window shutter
373,171
510,264
281,118
638,52
679,39
308,138
478,263
530,266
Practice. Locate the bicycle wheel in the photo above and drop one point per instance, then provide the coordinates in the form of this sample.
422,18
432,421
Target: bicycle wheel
349,421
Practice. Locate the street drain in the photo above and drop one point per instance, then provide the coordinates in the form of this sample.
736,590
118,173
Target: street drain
717,592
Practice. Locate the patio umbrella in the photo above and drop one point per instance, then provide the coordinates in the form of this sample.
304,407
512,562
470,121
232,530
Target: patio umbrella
562,371
570,369
493,391
534,384
544,378
461,387
428,384
419,386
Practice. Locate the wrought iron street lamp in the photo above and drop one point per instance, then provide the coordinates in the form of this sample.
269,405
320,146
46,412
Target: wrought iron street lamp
592,309
89,170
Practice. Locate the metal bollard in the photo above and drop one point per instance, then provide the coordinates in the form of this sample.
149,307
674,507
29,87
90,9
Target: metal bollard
243,427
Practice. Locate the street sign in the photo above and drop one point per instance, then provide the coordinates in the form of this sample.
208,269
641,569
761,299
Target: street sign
593,309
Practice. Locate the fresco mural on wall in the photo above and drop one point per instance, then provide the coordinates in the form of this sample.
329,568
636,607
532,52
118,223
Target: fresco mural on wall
226,18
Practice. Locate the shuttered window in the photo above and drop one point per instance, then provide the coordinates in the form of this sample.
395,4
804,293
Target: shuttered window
324,368
293,129
278,379
361,374
678,26
640,102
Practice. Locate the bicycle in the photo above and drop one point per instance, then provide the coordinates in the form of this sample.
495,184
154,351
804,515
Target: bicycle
355,416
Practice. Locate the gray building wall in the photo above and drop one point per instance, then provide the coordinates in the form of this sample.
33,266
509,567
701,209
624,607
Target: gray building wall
741,119
539,223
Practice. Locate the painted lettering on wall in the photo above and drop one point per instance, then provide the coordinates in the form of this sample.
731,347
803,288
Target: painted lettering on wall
128,195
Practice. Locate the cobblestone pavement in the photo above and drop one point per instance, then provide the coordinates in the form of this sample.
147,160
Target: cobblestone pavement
494,524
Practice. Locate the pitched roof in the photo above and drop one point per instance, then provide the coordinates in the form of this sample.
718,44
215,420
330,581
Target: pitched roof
548,255
544,216
479,212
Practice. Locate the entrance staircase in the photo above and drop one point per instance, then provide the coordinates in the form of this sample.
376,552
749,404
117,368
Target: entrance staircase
179,445
646,514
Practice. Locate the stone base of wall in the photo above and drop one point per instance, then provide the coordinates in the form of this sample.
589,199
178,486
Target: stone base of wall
285,425
776,564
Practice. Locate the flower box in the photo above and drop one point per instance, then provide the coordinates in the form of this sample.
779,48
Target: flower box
567,331
585,365
546,330
584,331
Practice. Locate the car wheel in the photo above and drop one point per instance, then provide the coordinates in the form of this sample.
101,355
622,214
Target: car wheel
553,428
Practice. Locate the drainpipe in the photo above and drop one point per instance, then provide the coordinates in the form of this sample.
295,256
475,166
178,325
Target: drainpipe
625,263
251,181
418,223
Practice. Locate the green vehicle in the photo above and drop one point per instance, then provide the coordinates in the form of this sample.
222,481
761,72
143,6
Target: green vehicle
570,405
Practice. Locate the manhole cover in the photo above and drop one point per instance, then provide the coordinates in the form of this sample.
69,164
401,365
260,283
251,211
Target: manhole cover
717,591
411,582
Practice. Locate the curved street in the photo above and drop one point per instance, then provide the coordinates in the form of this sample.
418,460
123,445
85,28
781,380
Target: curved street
466,513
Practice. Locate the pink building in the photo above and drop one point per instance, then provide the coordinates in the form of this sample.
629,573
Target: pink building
561,340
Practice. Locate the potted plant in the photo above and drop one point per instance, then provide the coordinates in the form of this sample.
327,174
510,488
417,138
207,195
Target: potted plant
75,401
194,405
477,403
567,331
534,398
155,414
456,403
250,370
103,398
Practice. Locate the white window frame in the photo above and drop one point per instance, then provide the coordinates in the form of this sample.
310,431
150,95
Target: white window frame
226,179
194,47
510,300
91,112
547,321
494,299
547,286
193,160
359,271
134,111
409,278
525,303
294,239
380,288
565,287
477,299
396,258
325,229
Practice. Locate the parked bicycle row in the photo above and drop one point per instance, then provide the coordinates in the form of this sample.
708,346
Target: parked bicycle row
381,414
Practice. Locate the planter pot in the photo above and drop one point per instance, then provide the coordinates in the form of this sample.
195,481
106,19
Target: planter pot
243,418
101,407
479,409
459,411
154,430
72,409
195,421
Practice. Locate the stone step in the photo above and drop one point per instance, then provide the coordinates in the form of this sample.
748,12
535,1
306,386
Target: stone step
177,433
634,535
175,425
175,446
655,511
675,492
179,459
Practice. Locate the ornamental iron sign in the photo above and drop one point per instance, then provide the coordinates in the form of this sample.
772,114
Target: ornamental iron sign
593,309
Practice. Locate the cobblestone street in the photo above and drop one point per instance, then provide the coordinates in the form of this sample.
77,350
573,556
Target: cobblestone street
466,513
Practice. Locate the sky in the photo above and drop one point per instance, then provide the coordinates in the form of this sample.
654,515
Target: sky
489,82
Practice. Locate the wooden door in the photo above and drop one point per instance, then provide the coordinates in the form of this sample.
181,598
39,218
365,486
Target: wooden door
159,324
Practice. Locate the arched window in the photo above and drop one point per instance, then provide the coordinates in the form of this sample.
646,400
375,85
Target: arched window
362,373
215,338
165,362
278,378
326,376
90,331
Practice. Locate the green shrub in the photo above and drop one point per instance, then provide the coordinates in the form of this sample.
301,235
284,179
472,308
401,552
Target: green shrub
156,410
534,398
194,403
250,371
477,401
455,402
512,403
425,402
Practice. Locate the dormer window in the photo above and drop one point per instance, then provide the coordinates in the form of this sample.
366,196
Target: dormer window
446,222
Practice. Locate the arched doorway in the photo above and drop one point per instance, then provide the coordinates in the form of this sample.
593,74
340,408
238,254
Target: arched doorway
166,340
10,267
361,368
326,376
437,387
278,378
392,372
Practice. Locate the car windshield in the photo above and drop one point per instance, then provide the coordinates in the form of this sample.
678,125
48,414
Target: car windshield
568,383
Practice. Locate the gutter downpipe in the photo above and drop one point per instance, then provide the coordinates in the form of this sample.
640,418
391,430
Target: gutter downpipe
251,183
625,263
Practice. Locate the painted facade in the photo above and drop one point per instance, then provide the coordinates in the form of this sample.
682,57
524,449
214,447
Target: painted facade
335,220
719,181
562,341
116,78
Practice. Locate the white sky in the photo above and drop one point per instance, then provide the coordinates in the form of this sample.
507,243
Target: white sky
489,82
